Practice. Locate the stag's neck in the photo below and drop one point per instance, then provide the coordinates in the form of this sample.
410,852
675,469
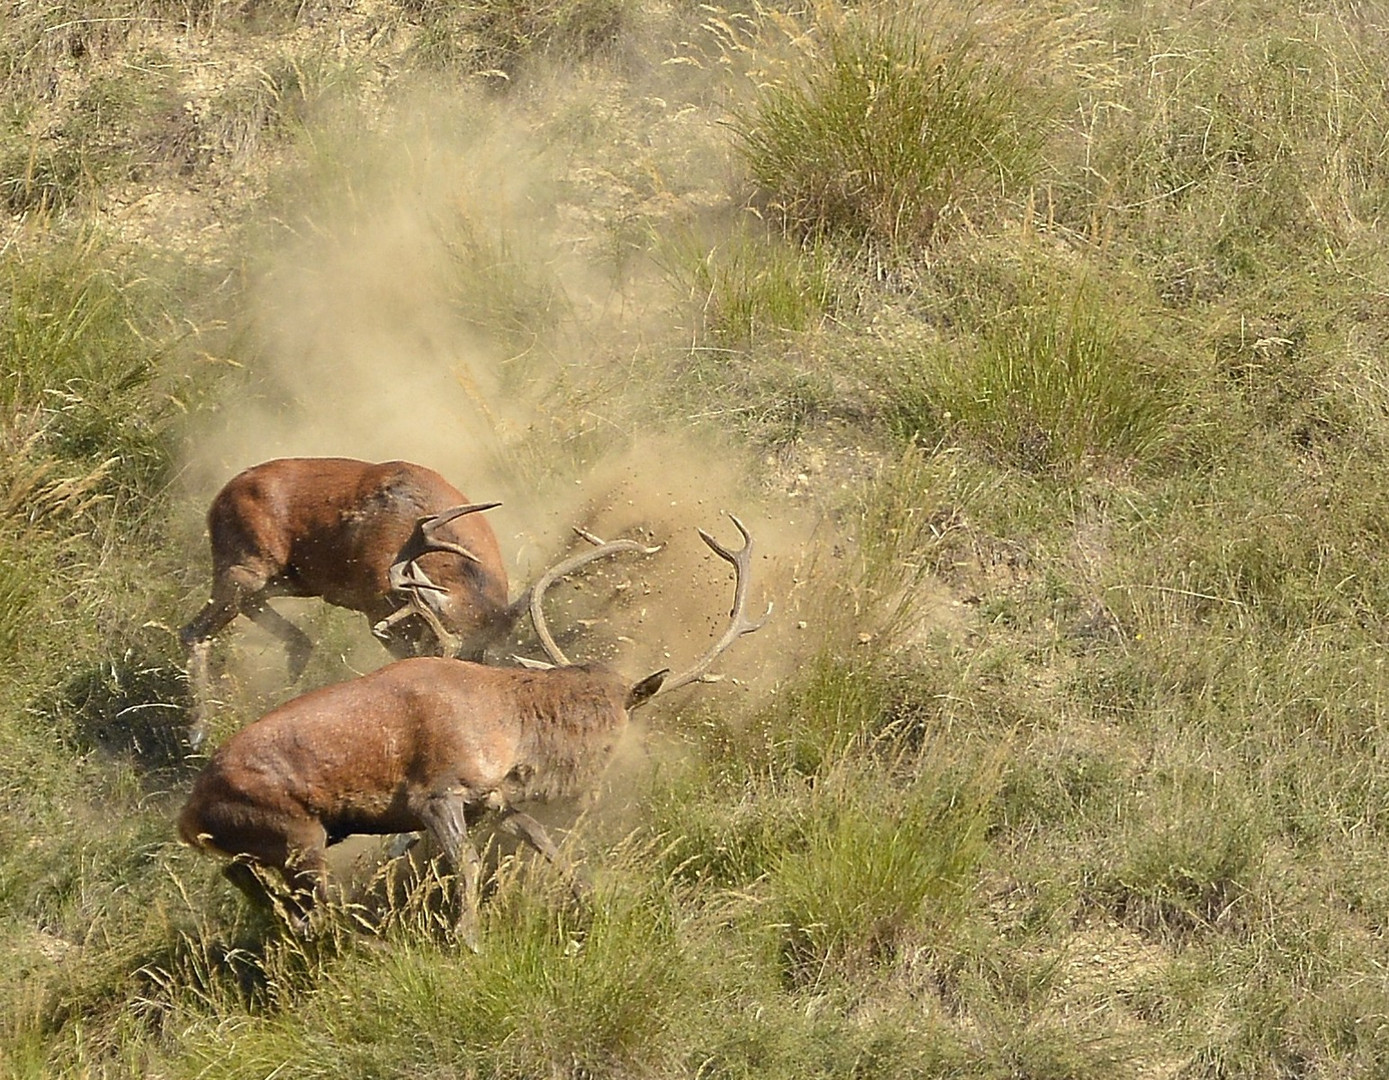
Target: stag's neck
571,719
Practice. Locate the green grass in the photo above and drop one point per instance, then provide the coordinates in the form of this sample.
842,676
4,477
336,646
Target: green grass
1050,383
77,317
872,875
748,285
497,290
911,121
1047,352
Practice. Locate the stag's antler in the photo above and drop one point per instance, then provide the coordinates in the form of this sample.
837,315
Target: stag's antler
410,581
537,591
429,526
425,538
738,624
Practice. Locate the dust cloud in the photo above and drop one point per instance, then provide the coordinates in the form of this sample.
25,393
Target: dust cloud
363,314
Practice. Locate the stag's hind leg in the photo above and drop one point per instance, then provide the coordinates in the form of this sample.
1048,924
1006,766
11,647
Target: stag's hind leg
242,589
200,679
307,878
197,637
247,877
234,589
298,645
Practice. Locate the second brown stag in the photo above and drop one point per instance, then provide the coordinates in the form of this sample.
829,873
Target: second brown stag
393,540
425,745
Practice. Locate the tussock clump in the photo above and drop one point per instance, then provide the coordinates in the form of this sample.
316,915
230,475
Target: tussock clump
1050,380
1190,867
495,38
748,285
38,177
875,875
890,122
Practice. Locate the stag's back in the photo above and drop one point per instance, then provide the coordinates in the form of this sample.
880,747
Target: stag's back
332,527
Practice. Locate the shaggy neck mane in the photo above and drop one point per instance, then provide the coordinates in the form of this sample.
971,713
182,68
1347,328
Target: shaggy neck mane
566,718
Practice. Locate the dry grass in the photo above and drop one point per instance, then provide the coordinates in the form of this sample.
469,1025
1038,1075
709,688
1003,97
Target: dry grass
1056,400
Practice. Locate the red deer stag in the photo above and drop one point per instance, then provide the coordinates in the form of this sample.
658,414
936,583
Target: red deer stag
394,541
424,744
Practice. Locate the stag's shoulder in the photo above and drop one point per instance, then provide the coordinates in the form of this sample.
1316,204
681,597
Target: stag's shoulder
417,484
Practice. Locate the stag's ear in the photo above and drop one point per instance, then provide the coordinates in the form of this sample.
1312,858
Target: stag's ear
645,690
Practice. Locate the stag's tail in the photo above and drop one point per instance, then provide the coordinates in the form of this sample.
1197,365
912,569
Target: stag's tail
190,827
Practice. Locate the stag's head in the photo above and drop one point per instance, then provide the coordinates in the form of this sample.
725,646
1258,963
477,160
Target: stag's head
438,581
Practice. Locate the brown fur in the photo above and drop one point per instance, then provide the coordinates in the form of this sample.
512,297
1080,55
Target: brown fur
399,750
425,744
333,527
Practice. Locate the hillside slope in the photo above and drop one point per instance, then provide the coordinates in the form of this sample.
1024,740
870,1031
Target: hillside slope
1042,348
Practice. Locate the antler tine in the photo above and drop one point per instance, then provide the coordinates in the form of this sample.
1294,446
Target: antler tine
568,566
406,576
739,624
408,579
429,525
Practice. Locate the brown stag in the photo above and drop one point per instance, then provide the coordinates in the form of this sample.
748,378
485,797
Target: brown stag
424,744
393,540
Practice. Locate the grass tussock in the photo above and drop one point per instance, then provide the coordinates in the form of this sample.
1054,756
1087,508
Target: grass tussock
911,121
749,286
872,877
1048,383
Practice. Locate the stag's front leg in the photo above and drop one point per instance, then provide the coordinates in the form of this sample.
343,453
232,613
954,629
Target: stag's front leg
307,877
298,852
444,816
523,825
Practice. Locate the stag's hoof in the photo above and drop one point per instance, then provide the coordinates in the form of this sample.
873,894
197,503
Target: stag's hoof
299,659
400,844
466,931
